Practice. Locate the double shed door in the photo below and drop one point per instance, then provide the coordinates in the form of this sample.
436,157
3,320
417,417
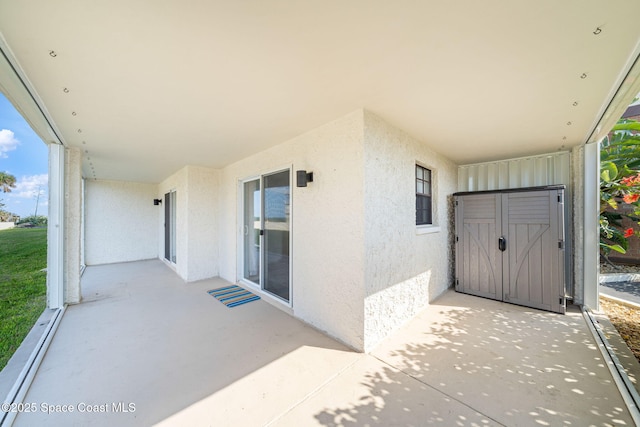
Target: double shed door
510,247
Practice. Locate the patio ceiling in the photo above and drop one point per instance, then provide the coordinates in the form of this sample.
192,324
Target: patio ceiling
145,87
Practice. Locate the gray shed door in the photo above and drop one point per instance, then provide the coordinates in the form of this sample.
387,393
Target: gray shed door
510,247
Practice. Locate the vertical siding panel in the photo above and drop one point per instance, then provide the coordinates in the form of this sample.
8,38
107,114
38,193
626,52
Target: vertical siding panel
463,177
503,172
541,170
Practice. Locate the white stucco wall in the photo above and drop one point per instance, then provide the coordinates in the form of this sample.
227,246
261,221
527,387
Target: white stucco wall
404,267
121,222
202,222
7,225
73,200
197,224
578,166
178,183
327,251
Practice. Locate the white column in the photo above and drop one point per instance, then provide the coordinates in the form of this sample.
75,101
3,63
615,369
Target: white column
55,230
591,246
73,225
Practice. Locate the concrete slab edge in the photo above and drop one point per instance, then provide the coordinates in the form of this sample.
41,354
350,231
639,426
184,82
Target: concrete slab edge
619,277
620,301
621,349
24,380
625,387
16,363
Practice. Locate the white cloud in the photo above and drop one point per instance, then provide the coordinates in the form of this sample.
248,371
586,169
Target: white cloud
27,187
8,142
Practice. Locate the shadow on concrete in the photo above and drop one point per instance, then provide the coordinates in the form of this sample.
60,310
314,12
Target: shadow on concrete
506,364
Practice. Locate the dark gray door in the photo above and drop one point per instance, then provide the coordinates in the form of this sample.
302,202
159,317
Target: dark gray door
170,226
510,247
167,226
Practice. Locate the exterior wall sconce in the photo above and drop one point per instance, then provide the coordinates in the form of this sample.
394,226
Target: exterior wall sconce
302,177
157,202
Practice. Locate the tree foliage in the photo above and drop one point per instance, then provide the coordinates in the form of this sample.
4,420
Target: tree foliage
7,182
619,184
6,216
35,220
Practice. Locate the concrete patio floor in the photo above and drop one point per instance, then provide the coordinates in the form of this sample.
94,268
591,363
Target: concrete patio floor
171,355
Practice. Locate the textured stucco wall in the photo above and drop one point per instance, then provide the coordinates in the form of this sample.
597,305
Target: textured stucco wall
404,269
72,225
178,183
578,168
197,224
120,222
327,224
202,222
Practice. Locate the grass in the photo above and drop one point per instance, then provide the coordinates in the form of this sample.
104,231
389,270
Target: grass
23,289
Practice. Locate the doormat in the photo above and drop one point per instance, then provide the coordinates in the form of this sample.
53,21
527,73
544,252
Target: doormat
232,296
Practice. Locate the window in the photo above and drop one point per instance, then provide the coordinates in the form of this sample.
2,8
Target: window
423,196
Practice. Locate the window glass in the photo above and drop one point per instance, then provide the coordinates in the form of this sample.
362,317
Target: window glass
423,196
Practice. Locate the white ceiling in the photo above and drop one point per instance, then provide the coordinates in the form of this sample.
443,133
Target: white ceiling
155,85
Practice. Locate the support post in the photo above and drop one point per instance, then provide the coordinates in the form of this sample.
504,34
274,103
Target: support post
591,248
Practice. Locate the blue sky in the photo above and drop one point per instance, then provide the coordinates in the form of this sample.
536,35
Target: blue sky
25,156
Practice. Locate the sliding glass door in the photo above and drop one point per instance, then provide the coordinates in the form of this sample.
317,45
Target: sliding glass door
252,227
276,225
170,226
266,230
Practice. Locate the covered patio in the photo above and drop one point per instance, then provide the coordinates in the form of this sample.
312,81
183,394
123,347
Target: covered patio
146,348
182,137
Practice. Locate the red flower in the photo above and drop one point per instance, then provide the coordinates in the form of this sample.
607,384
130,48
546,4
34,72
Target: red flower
628,232
631,198
631,180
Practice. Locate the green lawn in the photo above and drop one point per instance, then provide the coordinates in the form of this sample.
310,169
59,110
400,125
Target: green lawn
23,289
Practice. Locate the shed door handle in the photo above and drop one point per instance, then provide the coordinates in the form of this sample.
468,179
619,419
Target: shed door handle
502,244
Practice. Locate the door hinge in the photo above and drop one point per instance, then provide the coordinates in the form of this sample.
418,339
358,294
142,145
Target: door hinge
457,283
456,203
560,244
559,198
456,238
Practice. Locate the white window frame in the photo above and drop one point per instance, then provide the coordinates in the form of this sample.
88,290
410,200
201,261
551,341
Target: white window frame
433,227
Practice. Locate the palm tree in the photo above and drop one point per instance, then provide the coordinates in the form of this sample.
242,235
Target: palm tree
7,182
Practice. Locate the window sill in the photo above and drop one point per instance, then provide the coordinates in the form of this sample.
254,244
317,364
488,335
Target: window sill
427,229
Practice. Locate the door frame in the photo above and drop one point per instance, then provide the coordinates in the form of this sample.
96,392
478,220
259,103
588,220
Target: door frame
258,288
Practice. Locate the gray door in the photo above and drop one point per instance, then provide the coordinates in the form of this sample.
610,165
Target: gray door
510,247
478,259
533,273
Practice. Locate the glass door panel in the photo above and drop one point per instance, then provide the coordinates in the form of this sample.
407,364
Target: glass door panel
251,231
276,217
170,226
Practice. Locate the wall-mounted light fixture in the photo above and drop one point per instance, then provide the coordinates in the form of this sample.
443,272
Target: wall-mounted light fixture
157,202
302,177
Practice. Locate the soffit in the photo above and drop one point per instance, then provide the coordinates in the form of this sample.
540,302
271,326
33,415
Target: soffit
146,87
